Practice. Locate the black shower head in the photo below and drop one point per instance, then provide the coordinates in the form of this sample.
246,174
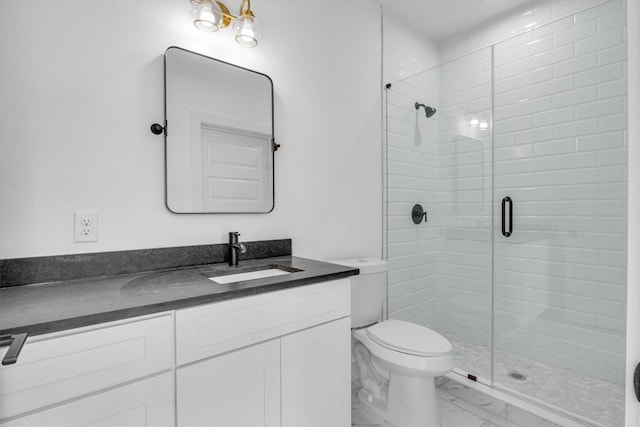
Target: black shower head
429,111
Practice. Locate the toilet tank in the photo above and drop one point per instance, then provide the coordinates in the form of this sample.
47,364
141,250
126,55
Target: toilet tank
368,290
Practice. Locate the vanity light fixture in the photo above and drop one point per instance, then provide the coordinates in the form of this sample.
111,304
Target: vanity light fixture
212,15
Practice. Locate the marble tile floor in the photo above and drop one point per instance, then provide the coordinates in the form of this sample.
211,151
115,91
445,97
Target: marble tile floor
588,397
459,407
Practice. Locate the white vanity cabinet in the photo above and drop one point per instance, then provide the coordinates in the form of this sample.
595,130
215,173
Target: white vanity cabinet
279,358
60,368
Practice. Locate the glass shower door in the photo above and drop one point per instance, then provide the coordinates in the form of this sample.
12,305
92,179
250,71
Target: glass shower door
560,198
440,269
464,215
412,149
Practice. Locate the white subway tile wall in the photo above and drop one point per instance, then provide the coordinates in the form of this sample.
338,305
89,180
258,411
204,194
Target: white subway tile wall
412,156
559,151
522,19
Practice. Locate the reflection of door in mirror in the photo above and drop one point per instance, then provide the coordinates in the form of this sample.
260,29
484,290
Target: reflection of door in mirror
228,169
219,138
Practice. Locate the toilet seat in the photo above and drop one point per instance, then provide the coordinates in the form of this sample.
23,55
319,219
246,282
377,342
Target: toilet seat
402,362
409,338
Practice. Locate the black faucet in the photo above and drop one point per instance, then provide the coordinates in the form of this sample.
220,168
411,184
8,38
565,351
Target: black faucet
235,248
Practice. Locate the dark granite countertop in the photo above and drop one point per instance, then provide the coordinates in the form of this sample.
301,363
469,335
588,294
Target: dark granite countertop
50,307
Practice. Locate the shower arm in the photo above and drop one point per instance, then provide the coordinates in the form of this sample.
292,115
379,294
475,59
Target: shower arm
428,111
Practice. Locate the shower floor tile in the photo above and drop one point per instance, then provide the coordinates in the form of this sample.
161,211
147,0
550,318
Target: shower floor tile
594,399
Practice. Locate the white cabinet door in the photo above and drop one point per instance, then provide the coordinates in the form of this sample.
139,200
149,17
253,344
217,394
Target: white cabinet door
147,403
240,388
316,389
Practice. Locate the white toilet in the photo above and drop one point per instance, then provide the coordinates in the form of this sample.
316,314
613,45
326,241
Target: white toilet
397,361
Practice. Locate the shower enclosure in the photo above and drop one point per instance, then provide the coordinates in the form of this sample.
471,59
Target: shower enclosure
522,172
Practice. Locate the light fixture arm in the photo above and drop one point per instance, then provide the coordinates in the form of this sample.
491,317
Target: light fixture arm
248,10
227,17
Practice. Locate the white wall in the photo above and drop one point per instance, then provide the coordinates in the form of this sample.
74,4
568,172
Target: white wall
406,51
83,80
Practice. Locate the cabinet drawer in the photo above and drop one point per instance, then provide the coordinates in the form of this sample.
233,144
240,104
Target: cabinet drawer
216,328
63,366
140,404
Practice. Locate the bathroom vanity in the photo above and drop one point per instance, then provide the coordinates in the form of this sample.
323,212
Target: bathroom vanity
266,351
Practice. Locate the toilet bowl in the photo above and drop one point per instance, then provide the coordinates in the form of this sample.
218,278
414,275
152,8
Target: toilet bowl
396,361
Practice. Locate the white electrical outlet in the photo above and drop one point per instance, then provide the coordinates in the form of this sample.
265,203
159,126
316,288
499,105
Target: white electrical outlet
85,226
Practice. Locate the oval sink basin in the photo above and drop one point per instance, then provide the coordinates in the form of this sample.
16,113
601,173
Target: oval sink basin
250,275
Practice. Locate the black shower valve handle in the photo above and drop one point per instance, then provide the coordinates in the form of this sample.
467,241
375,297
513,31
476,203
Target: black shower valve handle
418,214
157,129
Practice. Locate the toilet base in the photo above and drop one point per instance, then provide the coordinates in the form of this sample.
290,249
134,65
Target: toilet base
375,404
410,402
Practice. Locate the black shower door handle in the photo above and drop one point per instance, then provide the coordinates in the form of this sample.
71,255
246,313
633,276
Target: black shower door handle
507,232
636,382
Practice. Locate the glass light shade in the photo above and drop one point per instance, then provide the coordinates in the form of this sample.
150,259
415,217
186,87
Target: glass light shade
207,15
247,30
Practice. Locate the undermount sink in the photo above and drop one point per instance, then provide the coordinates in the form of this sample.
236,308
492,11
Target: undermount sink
249,275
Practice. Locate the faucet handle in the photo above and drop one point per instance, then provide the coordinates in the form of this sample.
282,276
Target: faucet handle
242,248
